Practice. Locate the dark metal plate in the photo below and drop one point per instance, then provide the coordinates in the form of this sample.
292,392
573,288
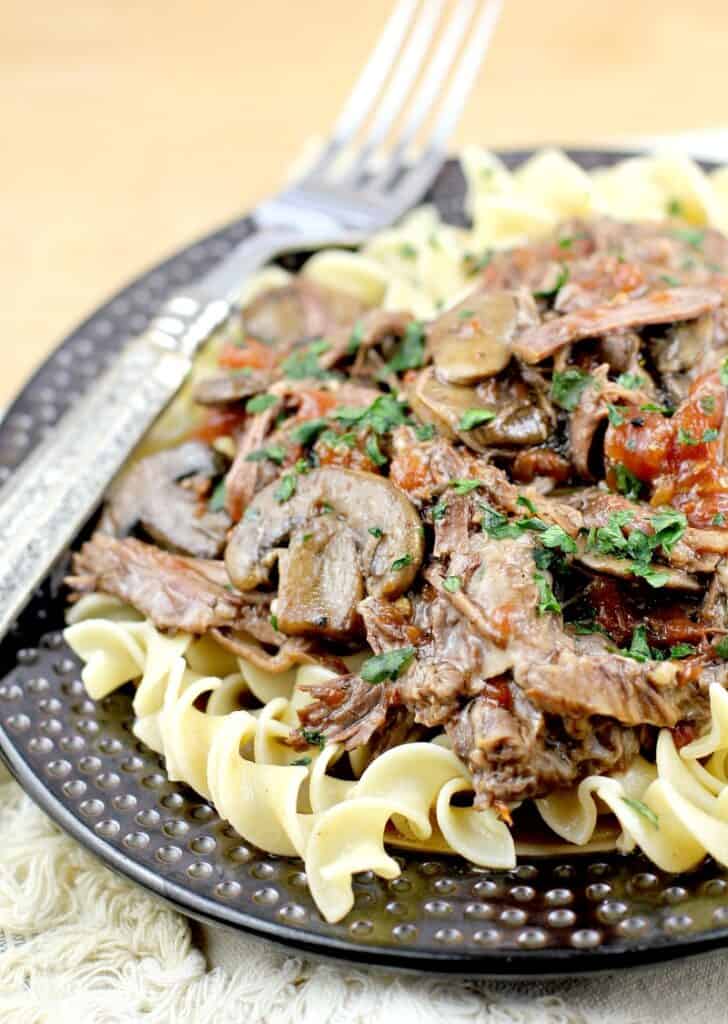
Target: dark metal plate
81,763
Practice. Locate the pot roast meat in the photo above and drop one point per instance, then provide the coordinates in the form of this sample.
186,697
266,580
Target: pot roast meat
299,310
225,388
660,307
173,591
150,493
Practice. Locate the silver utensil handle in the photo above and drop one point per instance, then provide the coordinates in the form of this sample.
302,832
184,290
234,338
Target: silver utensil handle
49,498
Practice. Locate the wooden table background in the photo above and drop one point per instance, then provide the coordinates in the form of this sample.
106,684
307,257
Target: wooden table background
131,126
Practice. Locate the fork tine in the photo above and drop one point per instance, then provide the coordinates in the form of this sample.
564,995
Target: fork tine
400,84
429,89
369,83
465,75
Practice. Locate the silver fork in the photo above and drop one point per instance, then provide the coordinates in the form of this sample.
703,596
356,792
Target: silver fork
45,503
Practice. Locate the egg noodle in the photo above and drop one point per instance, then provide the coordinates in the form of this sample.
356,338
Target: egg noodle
341,811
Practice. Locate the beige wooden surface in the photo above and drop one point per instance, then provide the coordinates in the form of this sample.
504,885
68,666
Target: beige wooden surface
131,126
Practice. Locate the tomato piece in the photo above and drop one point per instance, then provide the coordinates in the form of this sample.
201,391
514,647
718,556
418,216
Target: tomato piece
409,470
314,404
641,443
219,423
252,353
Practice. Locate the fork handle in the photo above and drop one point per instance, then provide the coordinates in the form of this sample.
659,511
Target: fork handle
49,498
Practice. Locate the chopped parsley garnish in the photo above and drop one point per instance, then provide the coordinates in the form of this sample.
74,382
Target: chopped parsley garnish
407,251
382,415
673,282
643,810
682,650
217,498
461,486
626,482
675,208
616,414
388,665
376,531
563,277
466,314
718,519
355,338
274,452
631,381
495,524
425,432
724,373
475,262
668,527
452,583
684,437
566,388
273,619
286,488
302,761
710,434
707,403
639,649
721,647
546,600
693,237
472,418
305,362
401,563
526,503
313,737
308,431
411,352
555,537
374,452
259,403
439,511
650,574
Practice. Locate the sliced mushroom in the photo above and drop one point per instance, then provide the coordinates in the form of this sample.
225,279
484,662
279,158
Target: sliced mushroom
298,310
472,340
677,579
149,493
680,356
515,422
320,581
356,502
663,307
224,388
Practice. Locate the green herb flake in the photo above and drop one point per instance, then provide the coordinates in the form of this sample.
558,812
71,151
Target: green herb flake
407,251
639,649
452,583
382,415
707,403
388,665
425,432
274,452
675,207
472,418
673,282
401,563
710,434
682,650
525,502
374,452
562,278
721,647
217,498
669,525
685,438
724,373
355,338
461,486
466,314
643,810
631,381
286,488
304,363
308,431
694,237
650,575
555,537
615,414
567,387
306,537
411,352
273,619
626,482
376,531
439,511
475,262
718,519
653,407
302,762
259,403
313,737
546,599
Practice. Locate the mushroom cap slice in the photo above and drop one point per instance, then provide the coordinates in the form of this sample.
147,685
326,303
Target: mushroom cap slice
359,501
472,340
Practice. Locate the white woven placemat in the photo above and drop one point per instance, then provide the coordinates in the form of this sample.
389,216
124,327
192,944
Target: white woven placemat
79,945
